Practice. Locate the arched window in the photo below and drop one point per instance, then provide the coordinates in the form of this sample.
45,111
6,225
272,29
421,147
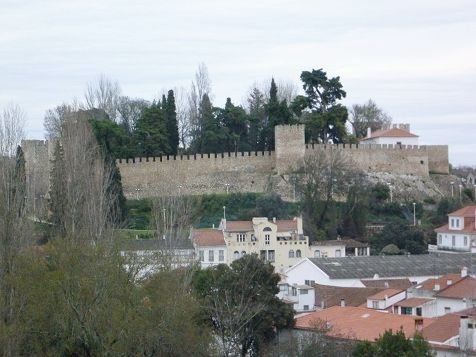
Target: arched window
298,253
267,229
291,253
236,255
243,253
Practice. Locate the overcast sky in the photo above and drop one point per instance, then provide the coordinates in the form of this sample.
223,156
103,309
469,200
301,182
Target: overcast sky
416,59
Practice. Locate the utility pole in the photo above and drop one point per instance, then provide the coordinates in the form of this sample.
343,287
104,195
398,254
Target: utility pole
414,214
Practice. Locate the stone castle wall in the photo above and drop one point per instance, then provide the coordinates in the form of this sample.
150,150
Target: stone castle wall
248,171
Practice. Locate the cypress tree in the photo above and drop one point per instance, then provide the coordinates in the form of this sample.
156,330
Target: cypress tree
57,201
172,125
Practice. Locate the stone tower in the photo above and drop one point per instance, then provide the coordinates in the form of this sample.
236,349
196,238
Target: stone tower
289,147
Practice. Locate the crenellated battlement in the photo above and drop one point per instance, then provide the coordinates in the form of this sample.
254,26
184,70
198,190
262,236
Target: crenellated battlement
253,171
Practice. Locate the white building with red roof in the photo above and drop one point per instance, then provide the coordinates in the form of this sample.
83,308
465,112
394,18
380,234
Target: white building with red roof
399,134
459,234
210,247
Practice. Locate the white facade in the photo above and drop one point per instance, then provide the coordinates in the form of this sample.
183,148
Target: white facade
426,309
385,302
393,141
302,296
212,255
460,232
328,251
445,305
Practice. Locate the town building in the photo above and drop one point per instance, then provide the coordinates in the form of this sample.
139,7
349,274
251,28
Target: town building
384,299
301,297
210,247
459,234
399,134
350,271
339,248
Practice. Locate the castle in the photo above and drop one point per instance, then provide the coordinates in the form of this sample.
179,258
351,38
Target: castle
243,171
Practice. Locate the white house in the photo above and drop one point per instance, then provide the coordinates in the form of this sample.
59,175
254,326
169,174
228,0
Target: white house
386,298
302,297
210,247
338,248
456,297
425,307
460,232
397,135
349,272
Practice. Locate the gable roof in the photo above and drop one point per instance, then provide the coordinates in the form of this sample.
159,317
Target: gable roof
429,284
465,288
442,329
390,133
391,266
413,302
382,295
328,296
247,226
208,237
468,211
402,284
469,227
357,323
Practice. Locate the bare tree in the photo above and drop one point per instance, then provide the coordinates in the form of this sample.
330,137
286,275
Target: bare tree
103,94
129,111
368,115
14,225
54,118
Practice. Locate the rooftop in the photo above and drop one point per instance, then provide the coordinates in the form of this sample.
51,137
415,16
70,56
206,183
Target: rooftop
465,288
469,227
384,294
391,133
442,329
429,284
402,284
468,211
208,237
391,266
349,243
413,302
328,296
358,323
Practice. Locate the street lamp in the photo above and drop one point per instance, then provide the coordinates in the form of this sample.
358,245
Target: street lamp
414,215
452,189
227,185
137,193
391,192
460,194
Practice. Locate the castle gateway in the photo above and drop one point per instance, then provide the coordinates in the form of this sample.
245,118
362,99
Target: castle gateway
243,171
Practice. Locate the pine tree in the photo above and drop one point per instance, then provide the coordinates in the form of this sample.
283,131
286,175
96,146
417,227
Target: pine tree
172,125
151,132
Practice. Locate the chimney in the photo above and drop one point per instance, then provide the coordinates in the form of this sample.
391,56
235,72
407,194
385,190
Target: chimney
418,324
274,219
342,302
437,287
449,282
369,132
464,272
213,225
386,284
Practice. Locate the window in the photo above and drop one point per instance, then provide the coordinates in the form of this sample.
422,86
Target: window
298,253
291,254
317,254
457,223
262,254
306,307
418,311
294,292
374,304
465,240
221,255
303,291
271,255
210,255
406,310
452,224
266,239
447,310
439,239
453,241
240,237
338,253
309,282
201,255
470,326
236,255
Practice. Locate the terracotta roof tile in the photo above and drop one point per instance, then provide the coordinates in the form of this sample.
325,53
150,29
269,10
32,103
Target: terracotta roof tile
349,243
442,329
429,284
391,133
468,211
208,237
413,302
358,323
402,284
239,226
469,227
328,296
385,293
465,288
286,225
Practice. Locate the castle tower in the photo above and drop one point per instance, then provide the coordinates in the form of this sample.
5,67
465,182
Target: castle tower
289,147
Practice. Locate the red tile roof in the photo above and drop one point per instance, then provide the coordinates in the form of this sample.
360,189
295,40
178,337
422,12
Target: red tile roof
391,133
402,284
442,329
465,288
286,225
208,237
413,302
357,323
328,296
381,295
468,211
429,284
247,226
469,227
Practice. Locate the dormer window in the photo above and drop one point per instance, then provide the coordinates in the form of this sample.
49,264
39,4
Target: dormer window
452,223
